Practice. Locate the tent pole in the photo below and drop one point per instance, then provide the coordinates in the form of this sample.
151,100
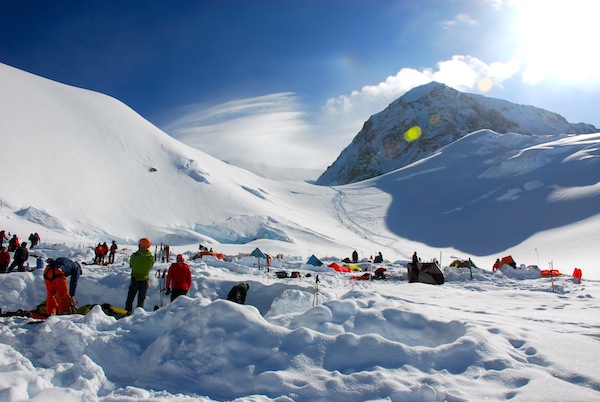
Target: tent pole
551,263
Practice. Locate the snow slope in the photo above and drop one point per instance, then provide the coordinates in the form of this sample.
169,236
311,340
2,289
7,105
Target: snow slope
86,168
98,171
534,197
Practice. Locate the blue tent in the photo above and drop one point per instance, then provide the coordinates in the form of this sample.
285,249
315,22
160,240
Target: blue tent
314,261
258,254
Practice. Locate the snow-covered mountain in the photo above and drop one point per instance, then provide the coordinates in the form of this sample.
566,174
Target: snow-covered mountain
442,115
83,167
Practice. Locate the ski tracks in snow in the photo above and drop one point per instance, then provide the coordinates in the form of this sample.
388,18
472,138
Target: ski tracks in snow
364,214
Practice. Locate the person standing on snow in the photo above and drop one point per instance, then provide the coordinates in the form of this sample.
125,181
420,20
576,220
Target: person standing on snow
355,256
4,260
113,250
20,258
34,238
104,253
58,294
141,262
2,237
415,259
179,278
13,243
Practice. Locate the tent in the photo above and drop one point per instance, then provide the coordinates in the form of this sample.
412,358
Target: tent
463,264
339,268
425,272
354,267
508,260
258,254
550,272
201,254
314,261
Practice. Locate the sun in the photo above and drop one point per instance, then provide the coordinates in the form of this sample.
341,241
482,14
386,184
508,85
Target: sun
558,40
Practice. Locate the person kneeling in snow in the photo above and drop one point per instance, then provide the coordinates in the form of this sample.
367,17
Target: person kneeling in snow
237,293
179,278
57,291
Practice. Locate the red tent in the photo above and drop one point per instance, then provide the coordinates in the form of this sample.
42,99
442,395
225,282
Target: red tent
339,268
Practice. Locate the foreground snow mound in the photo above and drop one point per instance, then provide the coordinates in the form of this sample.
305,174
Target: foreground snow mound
469,339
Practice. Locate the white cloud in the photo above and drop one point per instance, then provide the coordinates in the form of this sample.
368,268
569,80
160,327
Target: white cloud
459,19
461,72
266,129
495,4
274,129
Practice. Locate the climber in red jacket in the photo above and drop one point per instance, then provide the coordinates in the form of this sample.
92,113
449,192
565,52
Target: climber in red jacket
179,278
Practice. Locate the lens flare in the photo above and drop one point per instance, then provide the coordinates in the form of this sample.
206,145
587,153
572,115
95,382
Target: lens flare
485,84
412,134
435,118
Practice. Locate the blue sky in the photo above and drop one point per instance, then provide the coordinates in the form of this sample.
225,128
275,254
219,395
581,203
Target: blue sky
300,77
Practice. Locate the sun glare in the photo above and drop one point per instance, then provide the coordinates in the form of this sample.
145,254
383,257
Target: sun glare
558,40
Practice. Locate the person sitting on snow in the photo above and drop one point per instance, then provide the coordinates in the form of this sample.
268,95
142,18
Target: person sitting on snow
179,278
20,258
237,293
58,294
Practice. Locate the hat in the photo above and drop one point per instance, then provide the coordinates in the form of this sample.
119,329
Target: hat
180,257
145,243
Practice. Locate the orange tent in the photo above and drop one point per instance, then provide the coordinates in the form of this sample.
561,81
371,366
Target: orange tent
339,268
550,272
508,260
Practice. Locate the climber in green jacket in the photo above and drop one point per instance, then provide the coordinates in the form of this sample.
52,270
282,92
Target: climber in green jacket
141,263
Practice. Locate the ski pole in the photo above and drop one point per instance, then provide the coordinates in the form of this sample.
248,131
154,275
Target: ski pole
316,295
162,287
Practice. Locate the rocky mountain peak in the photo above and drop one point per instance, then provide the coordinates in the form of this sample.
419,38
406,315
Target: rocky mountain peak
428,118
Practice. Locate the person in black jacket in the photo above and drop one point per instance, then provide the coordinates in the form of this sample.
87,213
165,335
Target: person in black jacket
20,258
237,293
34,238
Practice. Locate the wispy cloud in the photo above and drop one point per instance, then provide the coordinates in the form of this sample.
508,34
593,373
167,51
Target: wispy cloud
276,130
495,4
459,19
266,129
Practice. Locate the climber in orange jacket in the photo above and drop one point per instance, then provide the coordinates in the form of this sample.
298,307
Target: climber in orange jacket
57,291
